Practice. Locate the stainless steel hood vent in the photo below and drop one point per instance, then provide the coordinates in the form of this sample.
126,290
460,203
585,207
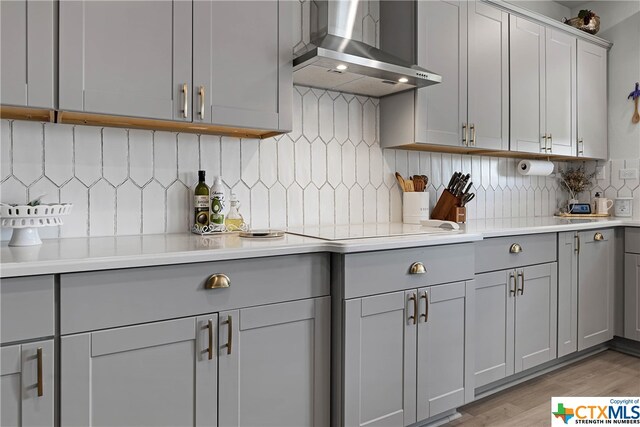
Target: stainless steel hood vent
336,61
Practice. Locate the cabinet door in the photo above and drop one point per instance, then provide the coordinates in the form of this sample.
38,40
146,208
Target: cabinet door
27,49
567,293
560,106
596,277
444,374
527,59
592,100
488,77
536,316
380,360
242,61
493,336
274,364
156,374
441,110
26,384
632,296
129,58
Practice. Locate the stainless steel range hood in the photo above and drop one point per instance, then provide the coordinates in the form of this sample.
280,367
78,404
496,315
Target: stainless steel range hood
335,60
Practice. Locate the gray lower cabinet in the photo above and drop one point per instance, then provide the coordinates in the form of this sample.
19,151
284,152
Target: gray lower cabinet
567,293
26,384
632,296
404,355
28,31
265,365
515,321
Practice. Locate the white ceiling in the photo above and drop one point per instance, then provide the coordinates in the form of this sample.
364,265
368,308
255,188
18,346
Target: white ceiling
571,3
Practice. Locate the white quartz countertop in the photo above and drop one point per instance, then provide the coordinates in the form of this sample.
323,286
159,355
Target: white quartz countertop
103,253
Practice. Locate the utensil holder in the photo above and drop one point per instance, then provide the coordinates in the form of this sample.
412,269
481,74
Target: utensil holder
415,207
446,203
458,214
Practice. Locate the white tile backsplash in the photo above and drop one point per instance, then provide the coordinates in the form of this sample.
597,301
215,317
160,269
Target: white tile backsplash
331,171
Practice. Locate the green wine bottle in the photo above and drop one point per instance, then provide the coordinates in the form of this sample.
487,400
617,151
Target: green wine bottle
201,202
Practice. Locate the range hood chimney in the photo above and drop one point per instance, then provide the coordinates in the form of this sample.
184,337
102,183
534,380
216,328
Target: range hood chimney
335,60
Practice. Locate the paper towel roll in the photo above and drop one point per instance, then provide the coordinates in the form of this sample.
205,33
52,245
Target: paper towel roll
535,167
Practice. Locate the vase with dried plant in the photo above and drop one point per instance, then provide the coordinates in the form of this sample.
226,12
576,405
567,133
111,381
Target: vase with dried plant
575,180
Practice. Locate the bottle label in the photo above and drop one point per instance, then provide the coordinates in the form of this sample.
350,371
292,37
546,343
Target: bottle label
201,202
217,205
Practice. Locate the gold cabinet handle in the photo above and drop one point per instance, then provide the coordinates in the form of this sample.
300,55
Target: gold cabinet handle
425,296
185,100
201,95
521,276
465,140
550,141
218,281
417,268
413,318
473,134
577,242
598,237
512,280
543,143
515,249
229,343
210,348
40,381
580,146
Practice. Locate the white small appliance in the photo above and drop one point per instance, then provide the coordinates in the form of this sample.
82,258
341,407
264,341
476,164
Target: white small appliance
623,207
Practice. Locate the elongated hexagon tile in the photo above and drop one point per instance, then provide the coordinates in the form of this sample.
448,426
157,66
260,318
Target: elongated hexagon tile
341,119
302,150
269,162
140,156
58,152
76,224
325,114
165,158
243,194
296,129
5,149
178,212
230,160
154,200
28,150
318,163
128,209
389,167
506,203
355,121
310,115
369,214
295,208
362,164
311,206
382,204
413,163
376,166
436,178
497,204
115,154
327,203
286,158
334,163
546,208
456,163
250,163
210,156
356,205
395,203
46,188
489,206
13,191
341,203
277,206
102,209
348,163
188,158
87,146
259,206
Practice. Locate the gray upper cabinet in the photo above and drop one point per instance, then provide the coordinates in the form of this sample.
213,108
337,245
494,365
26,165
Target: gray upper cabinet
130,58
274,364
592,101
596,277
157,374
27,53
242,53
26,384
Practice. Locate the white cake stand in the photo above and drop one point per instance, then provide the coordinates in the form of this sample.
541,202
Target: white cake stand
25,221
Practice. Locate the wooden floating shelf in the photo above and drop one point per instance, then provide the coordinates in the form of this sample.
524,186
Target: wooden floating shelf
24,113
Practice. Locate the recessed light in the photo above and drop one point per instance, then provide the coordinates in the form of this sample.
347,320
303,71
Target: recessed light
341,67
403,79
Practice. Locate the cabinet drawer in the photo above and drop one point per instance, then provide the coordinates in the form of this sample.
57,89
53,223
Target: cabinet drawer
632,240
495,254
371,273
106,299
26,308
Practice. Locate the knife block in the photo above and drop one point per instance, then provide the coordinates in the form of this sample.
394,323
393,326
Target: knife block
448,208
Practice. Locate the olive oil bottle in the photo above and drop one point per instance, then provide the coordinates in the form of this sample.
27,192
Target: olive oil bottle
217,200
201,202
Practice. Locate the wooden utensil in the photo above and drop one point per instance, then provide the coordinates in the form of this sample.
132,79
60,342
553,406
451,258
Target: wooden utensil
401,182
636,115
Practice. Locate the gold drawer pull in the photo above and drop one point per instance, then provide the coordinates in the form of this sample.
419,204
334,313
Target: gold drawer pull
515,249
512,279
598,236
417,268
217,281
40,382
414,317
210,348
230,333
425,296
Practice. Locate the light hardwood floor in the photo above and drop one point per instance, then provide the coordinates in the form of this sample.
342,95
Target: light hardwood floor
529,404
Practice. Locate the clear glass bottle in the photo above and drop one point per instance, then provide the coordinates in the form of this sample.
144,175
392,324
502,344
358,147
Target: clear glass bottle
234,220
